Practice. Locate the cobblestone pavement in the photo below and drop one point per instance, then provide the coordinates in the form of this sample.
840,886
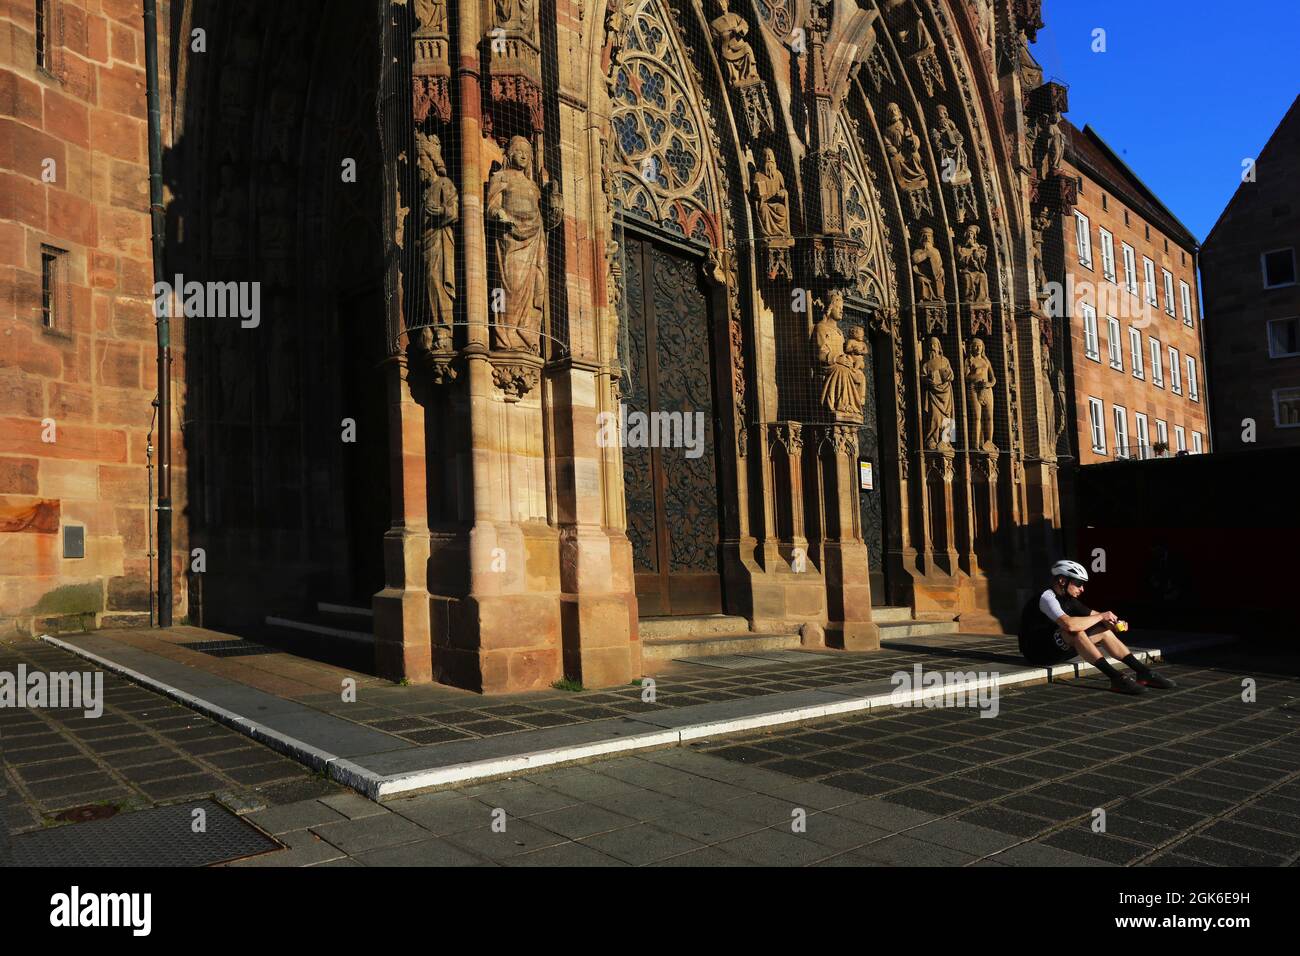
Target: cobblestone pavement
1192,777
142,751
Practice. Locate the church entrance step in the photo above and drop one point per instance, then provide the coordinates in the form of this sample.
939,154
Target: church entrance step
895,630
890,614
660,650
693,625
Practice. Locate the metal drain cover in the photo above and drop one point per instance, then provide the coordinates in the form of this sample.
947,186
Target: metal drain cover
163,836
231,648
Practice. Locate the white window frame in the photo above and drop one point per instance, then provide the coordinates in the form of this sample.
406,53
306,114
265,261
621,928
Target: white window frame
1114,346
1169,291
1263,268
1119,419
1162,433
1180,438
1149,281
1097,424
1193,384
1091,343
1130,268
1135,352
1277,406
1185,294
1083,239
1143,435
1157,368
1107,253
1198,448
1268,330
1175,372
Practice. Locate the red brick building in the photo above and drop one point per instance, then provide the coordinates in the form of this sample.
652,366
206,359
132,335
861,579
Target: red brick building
1133,349
76,323
1252,300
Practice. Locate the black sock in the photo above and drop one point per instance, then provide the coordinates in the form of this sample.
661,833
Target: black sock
1107,668
1137,665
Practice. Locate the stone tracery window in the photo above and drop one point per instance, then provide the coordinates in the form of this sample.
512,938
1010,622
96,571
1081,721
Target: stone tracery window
863,222
661,172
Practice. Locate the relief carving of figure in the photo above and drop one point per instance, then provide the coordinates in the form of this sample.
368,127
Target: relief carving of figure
729,31
951,147
1050,145
979,383
936,382
514,209
844,385
771,201
927,267
440,210
904,149
973,256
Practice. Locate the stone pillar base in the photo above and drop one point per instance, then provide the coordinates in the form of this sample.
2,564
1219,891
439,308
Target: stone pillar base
403,632
402,641
853,635
599,650
498,644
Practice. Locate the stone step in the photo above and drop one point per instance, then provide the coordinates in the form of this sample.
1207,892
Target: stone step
687,626
352,635
896,630
890,615
663,649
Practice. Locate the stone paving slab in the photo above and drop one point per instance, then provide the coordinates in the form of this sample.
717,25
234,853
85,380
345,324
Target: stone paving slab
143,750
384,757
717,802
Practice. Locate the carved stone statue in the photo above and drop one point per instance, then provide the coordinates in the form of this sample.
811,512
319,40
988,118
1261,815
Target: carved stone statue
973,256
950,144
729,32
514,208
1061,406
771,201
927,267
1050,145
440,209
1041,222
229,211
844,382
904,149
513,15
987,22
936,383
979,384
432,15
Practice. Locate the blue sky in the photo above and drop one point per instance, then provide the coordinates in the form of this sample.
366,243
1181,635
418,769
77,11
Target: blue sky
1185,90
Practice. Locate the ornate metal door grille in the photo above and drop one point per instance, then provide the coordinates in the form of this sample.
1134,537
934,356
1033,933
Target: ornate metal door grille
672,498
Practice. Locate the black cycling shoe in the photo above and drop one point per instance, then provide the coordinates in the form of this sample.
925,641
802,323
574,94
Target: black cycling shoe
1127,685
1152,679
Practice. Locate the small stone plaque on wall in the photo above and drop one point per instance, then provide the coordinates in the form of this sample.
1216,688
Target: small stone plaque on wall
74,541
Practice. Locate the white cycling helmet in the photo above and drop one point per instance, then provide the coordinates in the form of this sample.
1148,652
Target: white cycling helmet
1070,569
